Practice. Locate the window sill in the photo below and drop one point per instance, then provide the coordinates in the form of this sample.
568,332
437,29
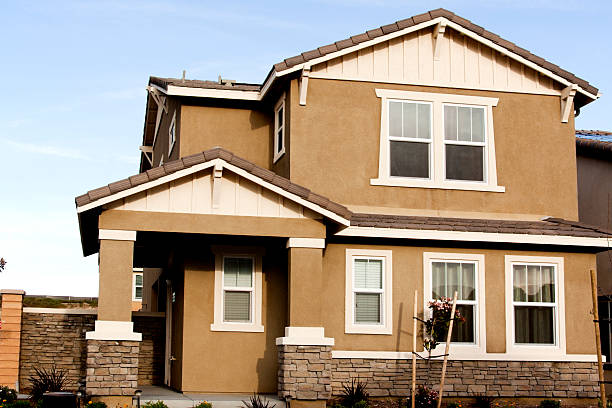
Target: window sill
365,329
430,184
237,327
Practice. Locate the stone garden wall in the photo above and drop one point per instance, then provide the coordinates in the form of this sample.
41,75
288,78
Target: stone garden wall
468,378
58,339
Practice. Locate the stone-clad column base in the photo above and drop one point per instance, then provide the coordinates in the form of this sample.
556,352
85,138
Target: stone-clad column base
304,374
112,367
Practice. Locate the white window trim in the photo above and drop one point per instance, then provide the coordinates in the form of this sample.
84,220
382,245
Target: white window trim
137,271
255,325
536,349
171,131
437,176
279,152
458,350
386,326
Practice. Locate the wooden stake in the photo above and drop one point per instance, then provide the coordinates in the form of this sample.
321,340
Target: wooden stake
446,350
602,385
414,343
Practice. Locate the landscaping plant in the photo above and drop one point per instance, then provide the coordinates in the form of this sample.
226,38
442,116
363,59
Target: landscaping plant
17,404
158,404
548,403
98,404
353,394
425,398
255,401
44,380
204,404
483,401
7,395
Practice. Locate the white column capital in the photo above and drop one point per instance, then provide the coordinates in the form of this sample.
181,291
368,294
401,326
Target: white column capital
304,336
113,330
306,243
117,235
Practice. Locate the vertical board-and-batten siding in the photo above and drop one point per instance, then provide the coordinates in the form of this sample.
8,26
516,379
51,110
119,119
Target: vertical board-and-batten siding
463,62
193,195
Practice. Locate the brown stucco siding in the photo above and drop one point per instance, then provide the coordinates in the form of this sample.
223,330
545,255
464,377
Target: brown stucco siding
245,132
161,146
595,208
408,277
248,360
335,151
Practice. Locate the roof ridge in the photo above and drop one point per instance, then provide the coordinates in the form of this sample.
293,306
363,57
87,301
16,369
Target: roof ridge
206,156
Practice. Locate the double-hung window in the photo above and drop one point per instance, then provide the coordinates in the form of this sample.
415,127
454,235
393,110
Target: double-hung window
368,294
138,283
447,273
534,311
238,290
279,128
433,140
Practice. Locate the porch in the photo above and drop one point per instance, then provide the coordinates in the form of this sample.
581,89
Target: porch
175,399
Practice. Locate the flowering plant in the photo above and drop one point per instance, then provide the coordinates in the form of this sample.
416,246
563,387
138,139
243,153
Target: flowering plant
425,398
436,327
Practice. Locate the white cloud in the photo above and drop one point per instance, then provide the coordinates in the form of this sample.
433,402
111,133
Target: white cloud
65,152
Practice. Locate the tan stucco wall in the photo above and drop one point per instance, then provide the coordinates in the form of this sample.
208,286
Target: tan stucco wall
305,280
408,277
335,151
216,361
115,290
162,146
245,132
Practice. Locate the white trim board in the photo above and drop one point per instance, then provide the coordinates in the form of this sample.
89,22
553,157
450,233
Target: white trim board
406,355
51,310
116,235
222,164
375,232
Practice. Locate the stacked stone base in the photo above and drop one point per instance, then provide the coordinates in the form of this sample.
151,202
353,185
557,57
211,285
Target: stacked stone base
304,372
392,378
112,367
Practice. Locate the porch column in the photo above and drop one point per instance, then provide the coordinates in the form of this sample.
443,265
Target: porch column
113,347
10,337
304,354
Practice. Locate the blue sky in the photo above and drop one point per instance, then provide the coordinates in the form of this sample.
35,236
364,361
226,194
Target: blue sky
74,72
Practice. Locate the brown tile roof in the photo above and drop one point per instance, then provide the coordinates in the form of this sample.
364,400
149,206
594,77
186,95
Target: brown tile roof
193,83
549,226
593,132
430,15
198,158
597,148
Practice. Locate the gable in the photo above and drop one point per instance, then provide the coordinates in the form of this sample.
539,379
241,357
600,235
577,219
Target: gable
461,62
194,194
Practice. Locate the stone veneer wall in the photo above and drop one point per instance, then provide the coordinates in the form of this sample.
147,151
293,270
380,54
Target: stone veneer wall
468,378
304,372
58,339
112,367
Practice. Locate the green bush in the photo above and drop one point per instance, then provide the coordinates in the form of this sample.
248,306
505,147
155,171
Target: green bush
550,404
361,404
425,398
7,395
353,394
453,404
98,404
255,401
158,404
204,404
44,380
18,404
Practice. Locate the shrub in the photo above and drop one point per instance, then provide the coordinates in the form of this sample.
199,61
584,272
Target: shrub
255,401
18,404
547,403
353,394
204,404
454,404
7,394
425,398
97,404
158,404
483,401
47,381
361,404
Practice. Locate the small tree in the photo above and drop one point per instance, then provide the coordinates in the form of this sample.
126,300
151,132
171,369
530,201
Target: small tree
2,264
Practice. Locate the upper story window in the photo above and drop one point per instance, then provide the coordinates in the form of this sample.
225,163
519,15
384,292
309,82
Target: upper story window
432,140
172,134
279,128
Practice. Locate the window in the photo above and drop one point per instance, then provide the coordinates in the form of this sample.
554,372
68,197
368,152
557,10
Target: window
279,128
534,315
238,290
432,140
137,292
172,134
368,295
445,273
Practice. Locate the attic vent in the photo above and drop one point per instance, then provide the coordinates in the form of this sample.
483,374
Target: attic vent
228,82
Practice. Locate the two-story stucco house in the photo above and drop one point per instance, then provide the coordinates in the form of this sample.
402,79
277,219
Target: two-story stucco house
284,227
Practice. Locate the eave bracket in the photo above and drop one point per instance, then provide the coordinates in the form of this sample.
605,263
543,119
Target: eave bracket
567,101
304,85
438,34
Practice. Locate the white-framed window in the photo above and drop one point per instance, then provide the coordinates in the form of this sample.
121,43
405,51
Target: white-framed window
172,134
535,312
238,291
279,128
137,284
432,140
445,273
368,298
